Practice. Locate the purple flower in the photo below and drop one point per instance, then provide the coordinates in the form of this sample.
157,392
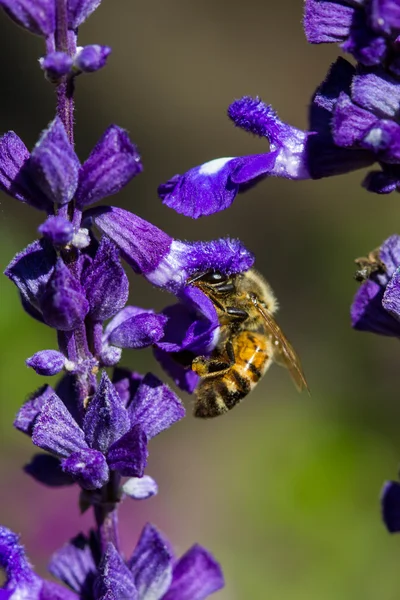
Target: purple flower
21,580
165,262
367,30
47,362
52,173
58,230
352,124
30,270
192,330
376,306
98,287
56,64
111,436
151,573
105,282
80,10
294,154
134,327
390,502
91,58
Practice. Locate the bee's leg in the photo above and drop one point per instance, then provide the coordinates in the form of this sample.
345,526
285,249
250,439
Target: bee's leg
237,313
211,367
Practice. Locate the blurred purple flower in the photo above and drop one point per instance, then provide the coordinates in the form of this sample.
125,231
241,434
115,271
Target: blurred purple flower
376,306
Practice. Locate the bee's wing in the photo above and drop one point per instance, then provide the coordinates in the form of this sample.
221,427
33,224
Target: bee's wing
284,354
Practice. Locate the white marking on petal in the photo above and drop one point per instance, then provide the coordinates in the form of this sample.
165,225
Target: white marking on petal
170,273
374,137
213,166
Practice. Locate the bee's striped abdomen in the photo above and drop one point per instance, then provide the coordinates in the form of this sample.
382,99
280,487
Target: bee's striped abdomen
218,394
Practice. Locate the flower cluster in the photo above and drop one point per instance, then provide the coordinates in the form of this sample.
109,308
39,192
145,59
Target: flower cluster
354,122
376,308
353,116
95,427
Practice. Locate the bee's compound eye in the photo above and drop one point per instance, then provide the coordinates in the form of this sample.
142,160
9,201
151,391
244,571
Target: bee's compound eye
214,277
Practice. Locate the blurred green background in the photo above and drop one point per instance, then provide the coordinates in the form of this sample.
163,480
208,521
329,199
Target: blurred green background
284,489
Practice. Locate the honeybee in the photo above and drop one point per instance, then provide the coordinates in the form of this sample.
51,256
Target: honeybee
250,341
367,265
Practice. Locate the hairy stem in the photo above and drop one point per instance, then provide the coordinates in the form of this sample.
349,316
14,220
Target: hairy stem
106,513
65,41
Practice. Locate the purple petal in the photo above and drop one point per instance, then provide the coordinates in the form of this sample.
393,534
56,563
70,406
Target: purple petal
56,431
30,310
155,406
69,393
380,182
184,259
151,564
56,64
38,16
113,162
115,577
128,455
46,362
338,80
58,230
385,15
140,488
377,92
327,21
53,591
192,325
109,356
390,502
79,11
350,123
124,315
15,175
74,565
126,383
196,576
105,282
54,164
179,368
325,159
140,331
31,269
13,560
213,186
46,469
106,418
142,244
368,314
92,58
389,254
63,302
29,411
391,297
363,43
88,468
203,190
384,140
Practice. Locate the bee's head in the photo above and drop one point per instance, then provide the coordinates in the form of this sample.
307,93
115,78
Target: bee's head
215,281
